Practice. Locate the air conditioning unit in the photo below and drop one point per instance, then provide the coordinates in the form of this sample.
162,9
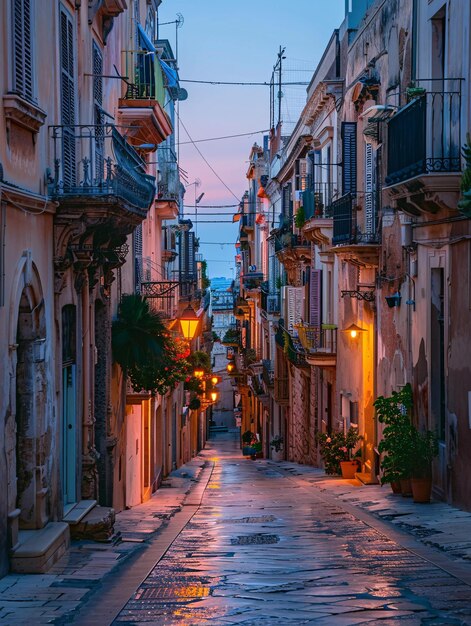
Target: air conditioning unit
273,304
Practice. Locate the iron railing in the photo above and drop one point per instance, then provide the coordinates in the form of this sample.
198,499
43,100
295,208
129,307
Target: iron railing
268,372
347,230
144,76
169,185
425,135
95,160
317,339
318,199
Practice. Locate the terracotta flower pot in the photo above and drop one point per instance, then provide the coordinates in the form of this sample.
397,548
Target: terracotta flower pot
406,488
421,489
396,486
348,468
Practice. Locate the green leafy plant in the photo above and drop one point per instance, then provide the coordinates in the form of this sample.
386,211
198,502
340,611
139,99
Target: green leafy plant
249,438
336,447
277,443
145,350
194,404
231,336
425,449
300,217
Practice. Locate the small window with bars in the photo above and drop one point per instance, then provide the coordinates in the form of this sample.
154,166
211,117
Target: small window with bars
22,36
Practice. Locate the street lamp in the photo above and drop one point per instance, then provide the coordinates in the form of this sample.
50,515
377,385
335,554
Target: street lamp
214,396
189,323
198,373
230,367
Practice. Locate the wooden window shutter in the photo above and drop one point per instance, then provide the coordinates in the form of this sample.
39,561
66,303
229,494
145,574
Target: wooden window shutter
67,65
349,157
369,189
97,59
22,48
315,297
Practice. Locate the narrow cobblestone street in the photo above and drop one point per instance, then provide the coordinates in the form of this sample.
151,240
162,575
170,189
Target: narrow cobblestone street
265,547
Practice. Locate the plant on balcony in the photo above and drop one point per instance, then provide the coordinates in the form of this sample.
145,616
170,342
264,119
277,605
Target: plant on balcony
465,202
195,404
337,447
300,217
231,338
250,356
414,91
145,350
200,359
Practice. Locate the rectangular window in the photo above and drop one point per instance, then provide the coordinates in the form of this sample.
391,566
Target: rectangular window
349,157
22,48
67,68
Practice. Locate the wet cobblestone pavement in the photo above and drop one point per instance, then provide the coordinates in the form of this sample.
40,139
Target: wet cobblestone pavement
265,548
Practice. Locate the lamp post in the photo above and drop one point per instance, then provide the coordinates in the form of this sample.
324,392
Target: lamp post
189,322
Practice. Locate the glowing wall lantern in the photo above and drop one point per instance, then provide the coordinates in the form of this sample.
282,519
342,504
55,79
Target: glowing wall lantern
189,323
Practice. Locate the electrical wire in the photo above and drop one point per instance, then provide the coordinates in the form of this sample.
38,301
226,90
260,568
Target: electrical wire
204,158
225,82
255,132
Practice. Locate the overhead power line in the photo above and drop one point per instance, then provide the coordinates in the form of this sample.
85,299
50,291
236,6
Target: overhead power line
255,132
227,82
204,158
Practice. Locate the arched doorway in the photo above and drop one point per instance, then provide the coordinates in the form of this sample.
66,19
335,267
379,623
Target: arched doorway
32,439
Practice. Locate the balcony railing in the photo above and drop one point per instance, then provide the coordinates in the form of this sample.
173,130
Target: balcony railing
169,185
317,339
252,280
290,240
92,161
318,199
346,227
268,373
425,135
144,76
270,302
248,220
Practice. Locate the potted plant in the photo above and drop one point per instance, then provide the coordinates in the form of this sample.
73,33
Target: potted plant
257,451
248,440
337,451
395,446
425,449
276,444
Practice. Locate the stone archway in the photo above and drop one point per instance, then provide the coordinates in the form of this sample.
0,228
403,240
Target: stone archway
31,431
27,435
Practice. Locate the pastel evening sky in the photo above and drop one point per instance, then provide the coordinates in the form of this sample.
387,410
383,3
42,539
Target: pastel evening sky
237,41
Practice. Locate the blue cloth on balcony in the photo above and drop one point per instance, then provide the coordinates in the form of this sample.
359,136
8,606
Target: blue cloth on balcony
144,41
170,73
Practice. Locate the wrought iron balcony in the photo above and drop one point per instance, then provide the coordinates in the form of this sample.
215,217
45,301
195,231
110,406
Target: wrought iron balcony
144,76
268,373
252,280
291,346
319,343
94,163
270,303
318,199
424,137
347,230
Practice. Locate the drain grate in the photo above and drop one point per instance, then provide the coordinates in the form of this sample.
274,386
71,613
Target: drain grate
243,540
176,591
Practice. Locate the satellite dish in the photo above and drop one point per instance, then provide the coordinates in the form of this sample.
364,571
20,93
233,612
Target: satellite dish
182,94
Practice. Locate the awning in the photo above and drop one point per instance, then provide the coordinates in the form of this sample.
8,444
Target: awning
144,41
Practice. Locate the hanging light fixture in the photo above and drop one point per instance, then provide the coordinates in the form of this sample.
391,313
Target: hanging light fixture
189,323
353,330
214,396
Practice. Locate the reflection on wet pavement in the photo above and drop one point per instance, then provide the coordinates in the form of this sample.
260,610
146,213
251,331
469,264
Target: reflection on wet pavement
263,549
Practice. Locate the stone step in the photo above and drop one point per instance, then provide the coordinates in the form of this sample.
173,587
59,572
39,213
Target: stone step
78,511
96,525
38,550
366,478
